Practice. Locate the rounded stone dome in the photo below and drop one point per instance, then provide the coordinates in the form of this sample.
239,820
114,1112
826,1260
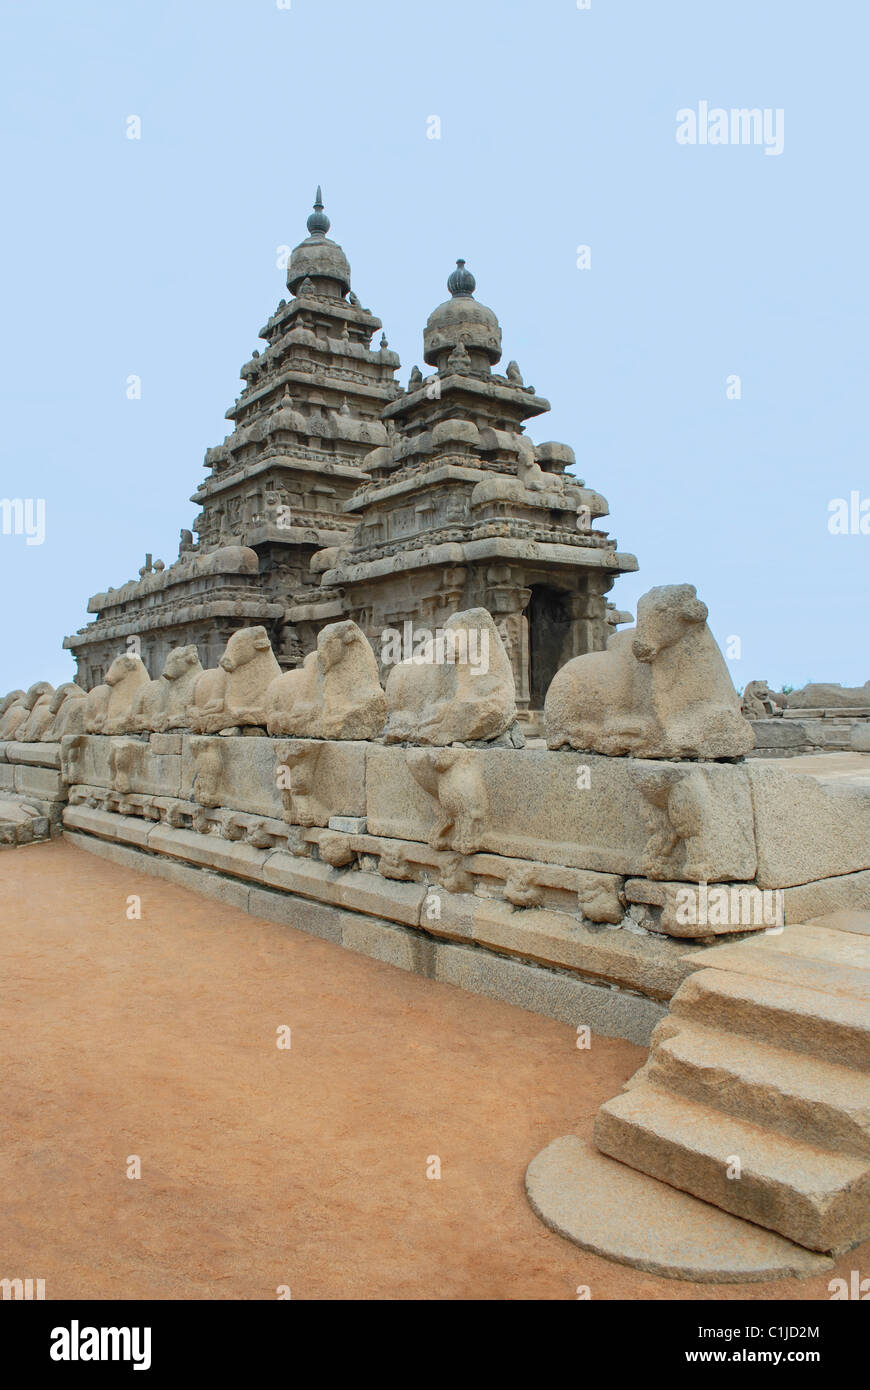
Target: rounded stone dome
317,255
286,418
461,320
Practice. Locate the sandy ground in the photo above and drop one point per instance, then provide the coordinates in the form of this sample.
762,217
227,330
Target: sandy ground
264,1167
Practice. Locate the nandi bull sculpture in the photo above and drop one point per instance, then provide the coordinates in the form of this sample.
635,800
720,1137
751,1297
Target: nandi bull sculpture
660,690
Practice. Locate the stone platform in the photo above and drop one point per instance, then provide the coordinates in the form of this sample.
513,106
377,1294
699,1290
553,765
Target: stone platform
32,792
798,732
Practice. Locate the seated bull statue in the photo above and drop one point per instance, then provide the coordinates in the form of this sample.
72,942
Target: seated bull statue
530,472
458,688
94,713
24,708
660,690
13,712
826,696
108,707
164,704
234,695
67,707
41,718
334,694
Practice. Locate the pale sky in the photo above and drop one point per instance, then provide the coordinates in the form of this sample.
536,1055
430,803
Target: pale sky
157,257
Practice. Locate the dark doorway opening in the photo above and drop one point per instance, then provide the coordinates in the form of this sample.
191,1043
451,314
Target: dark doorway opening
549,630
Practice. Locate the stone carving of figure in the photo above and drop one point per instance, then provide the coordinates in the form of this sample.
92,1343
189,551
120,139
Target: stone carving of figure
459,360
336,692
459,688
660,690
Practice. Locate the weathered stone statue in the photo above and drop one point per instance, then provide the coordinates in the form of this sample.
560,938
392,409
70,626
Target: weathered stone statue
13,711
66,704
758,702
125,678
234,695
826,696
458,689
530,472
163,704
39,719
208,761
335,694
109,707
94,714
452,779
660,690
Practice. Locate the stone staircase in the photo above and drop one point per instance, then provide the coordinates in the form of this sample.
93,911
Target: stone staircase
756,1093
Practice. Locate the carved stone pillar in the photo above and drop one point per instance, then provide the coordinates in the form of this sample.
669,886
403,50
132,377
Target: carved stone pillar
513,628
506,599
588,618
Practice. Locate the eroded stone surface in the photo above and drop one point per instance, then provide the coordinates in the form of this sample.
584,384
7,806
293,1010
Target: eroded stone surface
588,812
807,828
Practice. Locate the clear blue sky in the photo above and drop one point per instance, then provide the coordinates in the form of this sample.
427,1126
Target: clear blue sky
158,257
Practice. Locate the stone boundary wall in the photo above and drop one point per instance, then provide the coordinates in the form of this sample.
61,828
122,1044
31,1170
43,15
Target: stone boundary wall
32,792
547,879
800,731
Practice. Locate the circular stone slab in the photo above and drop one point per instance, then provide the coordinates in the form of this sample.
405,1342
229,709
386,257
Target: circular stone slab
615,1211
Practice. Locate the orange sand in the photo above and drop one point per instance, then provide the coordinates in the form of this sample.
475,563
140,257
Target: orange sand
264,1167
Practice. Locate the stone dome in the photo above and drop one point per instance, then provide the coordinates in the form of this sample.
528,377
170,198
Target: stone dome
317,255
286,418
461,320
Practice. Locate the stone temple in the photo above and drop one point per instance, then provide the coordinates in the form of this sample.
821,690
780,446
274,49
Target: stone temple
635,872
340,495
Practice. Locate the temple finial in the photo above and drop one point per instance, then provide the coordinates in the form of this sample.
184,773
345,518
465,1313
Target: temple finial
318,222
461,283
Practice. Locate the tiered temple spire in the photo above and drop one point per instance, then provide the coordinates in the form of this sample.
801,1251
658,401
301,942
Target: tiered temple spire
462,510
305,420
338,494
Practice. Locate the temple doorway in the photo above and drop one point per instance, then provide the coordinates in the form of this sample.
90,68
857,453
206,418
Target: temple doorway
549,630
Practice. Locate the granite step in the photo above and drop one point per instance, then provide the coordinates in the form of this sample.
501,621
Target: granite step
594,1201
833,1027
811,1195
820,1102
852,920
824,976
809,942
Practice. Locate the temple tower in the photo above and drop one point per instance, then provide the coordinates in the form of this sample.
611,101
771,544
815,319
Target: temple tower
309,414
276,487
461,510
